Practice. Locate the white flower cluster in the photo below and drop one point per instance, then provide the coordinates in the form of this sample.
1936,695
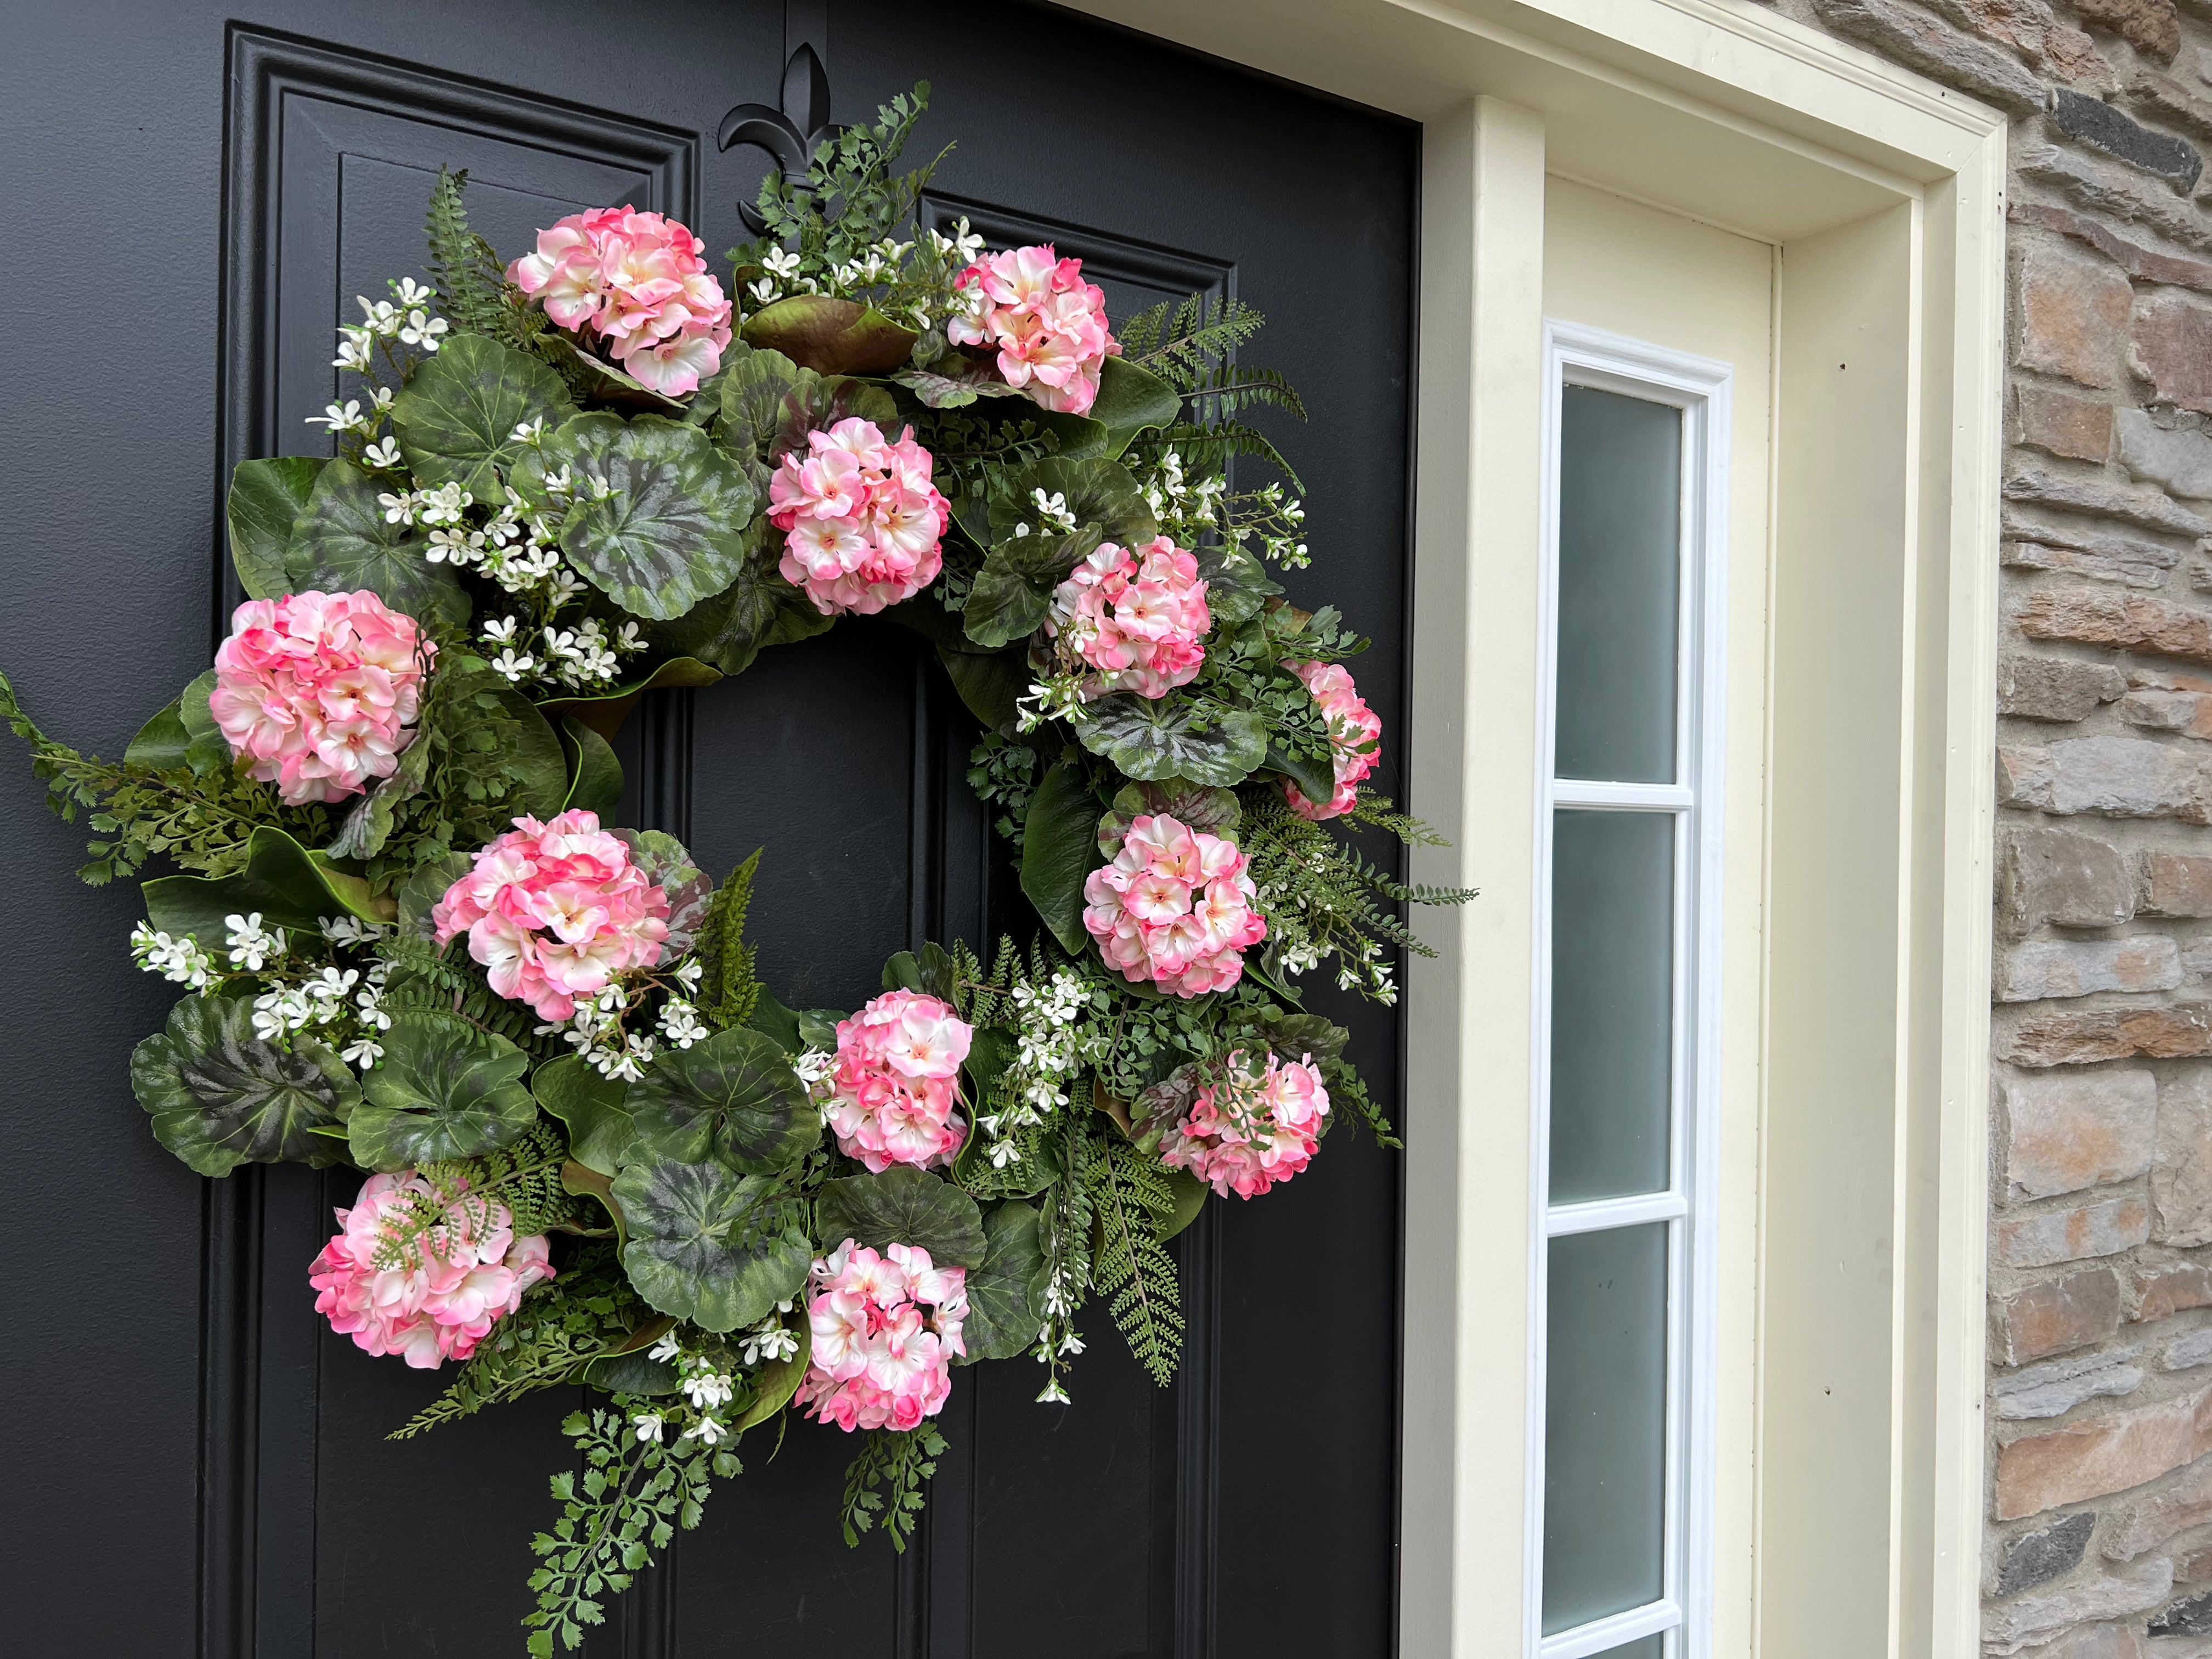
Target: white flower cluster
1057,696
769,1340
784,273
584,655
595,1031
706,1384
1051,1044
1058,1340
332,1001
1053,515
180,960
1301,940
1269,522
680,1023
408,321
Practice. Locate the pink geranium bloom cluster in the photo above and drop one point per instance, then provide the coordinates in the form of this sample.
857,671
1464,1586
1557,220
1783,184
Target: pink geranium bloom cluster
1175,906
320,691
861,519
637,281
430,1294
894,1081
1048,324
885,1330
1253,1129
554,911
1135,615
1355,734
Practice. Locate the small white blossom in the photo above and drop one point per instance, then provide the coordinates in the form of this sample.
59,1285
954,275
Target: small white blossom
1053,1394
422,330
340,417
813,1064
706,1432
383,317
666,1349
400,509
356,346
363,1051
707,1388
382,456
512,666
648,1425
459,548
252,945
680,1023
412,293
530,431
769,1341
689,972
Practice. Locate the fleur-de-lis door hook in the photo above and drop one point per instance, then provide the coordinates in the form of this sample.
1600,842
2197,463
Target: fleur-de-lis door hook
790,134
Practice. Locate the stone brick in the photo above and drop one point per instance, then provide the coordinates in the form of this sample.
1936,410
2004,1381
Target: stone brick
2178,1031
2076,968
2138,261
2161,711
2118,777
2160,1292
2107,499
2148,1522
2181,1182
2189,1350
2168,97
2078,1129
2038,688
2073,315
2059,877
2192,1617
2079,428
2030,27
2036,555
2089,616
2115,194
2197,958
2176,885
2170,346
2062,541
2036,1557
2149,26
2024,775
2103,1226
2034,1619
2095,122
2193,1560
2177,459
2111,1454
2058,1314
2055,1389
1912,37
2094,1641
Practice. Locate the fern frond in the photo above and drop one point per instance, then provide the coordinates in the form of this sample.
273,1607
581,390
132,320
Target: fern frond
730,990
473,291
1132,1269
1180,342
1222,390
1209,446
524,1178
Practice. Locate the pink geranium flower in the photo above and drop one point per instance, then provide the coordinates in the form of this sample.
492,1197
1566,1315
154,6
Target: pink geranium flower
1136,616
1174,907
895,1082
1252,1129
861,519
554,911
320,691
886,1329
637,281
1047,324
1355,737
428,1293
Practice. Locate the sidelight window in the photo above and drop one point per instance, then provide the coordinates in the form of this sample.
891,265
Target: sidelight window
1627,946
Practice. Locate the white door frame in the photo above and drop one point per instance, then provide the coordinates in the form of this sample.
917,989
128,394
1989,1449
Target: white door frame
1885,194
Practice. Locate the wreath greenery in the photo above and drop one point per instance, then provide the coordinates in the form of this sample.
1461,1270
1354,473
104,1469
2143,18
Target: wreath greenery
411,947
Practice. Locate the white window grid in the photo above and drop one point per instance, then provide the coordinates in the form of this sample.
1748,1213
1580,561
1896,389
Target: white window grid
1699,387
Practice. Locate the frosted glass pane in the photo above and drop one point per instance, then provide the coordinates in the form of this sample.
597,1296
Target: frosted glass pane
1612,970
1604,1405
1620,513
1645,1647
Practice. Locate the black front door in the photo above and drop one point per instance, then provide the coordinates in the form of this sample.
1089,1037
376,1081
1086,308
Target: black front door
197,1465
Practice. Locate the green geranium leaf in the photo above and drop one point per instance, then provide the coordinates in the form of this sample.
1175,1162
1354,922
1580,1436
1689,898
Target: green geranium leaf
1006,1294
1238,586
342,542
219,1097
760,608
413,898
595,775
753,384
672,531
443,1089
456,416
282,880
266,498
830,336
1151,739
733,1098
1097,492
1060,851
709,1245
818,401
1188,804
1131,400
903,1205
1012,594
670,868
594,1109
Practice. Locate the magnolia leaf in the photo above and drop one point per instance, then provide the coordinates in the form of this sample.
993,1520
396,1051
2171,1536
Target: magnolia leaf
1075,437
184,735
633,1372
266,498
1190,1194
1316,778
903,1205
457,415
990,682
282,880
610,385
668,867
1187,804
1060,851
671,532
709,1245
413,898
161,743
343,542
772,1019
442,1089
1006,1293
581,1181
1131,400
605,711
733,1098
219,1097
931,971
774,1382
538,764
1012,594
595,775
1149,739
594,1109
830,336
1097,492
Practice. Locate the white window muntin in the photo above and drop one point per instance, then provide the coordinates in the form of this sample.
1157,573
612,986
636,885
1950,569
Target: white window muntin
1699,387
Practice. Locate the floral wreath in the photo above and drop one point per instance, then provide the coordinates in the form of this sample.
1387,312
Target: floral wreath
411,946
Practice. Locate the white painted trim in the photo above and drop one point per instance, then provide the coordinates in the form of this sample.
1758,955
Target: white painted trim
1701,387
1603,1635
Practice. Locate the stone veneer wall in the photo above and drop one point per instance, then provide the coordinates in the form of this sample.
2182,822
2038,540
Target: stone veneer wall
2098,1541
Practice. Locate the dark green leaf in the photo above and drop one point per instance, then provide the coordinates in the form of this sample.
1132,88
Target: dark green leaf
266,498
282,880
635,1372
594,1109
777,1381
605,711
709,1245
1190,1194
369,824
1012,594
733,1097
456,416
442,1089
1004,1294
342,542
183,734
931,971
1195,808
669,867
1060,851
1315,778
538,764
219,1096
990,683
1097,492
160,744
1238,586
1131,400
817,402
903,1205
673,532
1149,739
595,776
413,897
771,1018
830,336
